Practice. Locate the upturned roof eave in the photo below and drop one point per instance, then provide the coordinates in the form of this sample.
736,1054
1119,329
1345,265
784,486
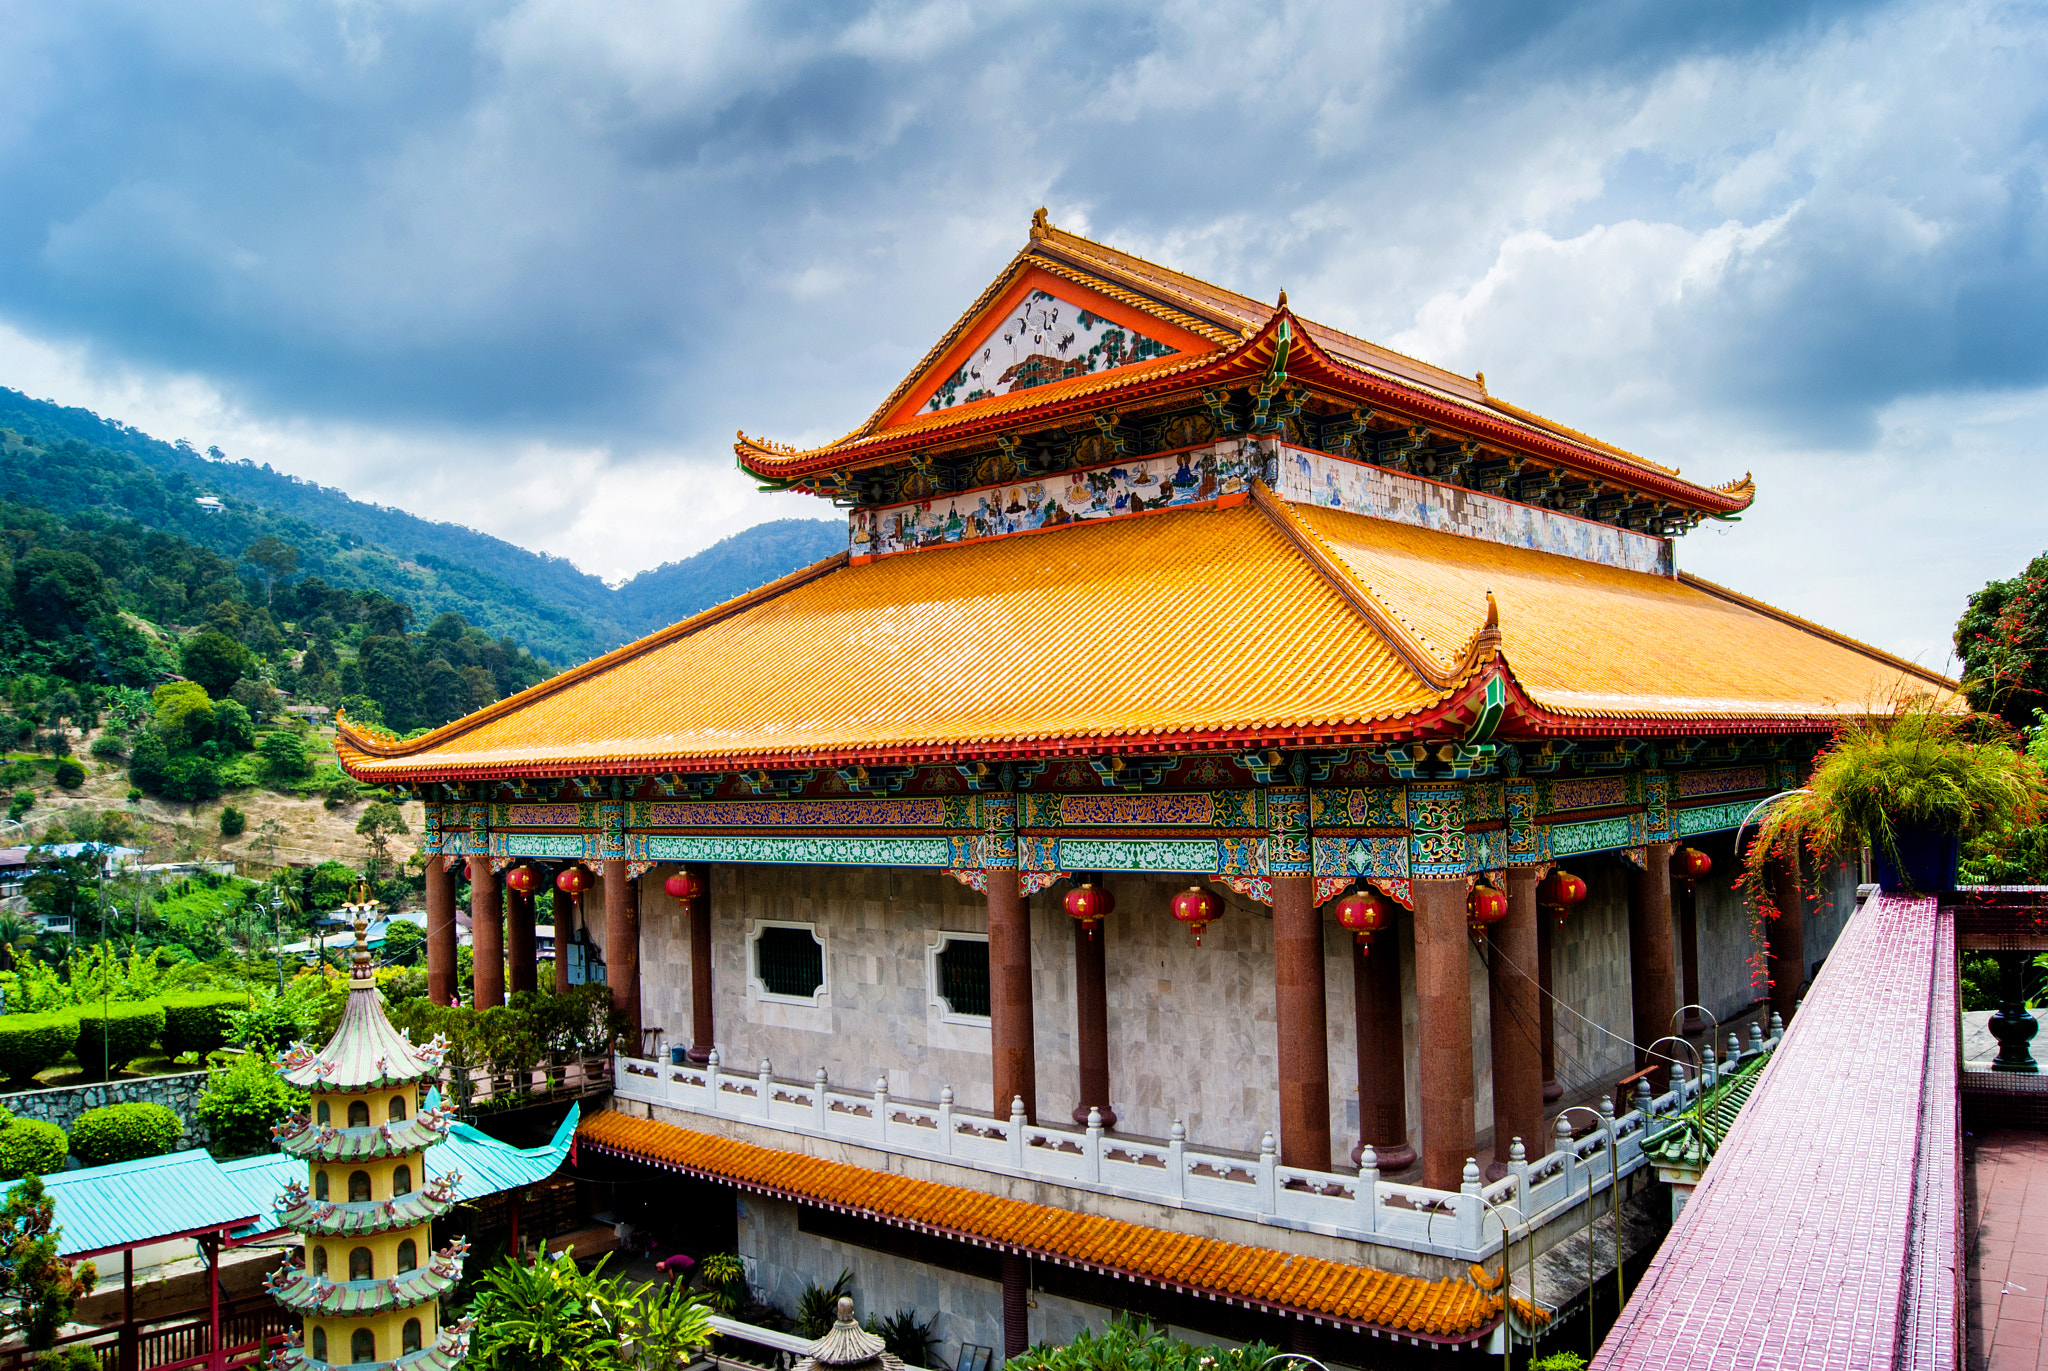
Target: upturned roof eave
1248,360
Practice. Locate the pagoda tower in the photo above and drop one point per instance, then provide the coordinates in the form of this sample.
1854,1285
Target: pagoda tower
366,1279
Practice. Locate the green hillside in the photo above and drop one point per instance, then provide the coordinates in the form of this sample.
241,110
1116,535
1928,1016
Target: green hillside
70,461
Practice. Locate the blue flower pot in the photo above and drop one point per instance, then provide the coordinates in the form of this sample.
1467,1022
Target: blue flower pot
1927,860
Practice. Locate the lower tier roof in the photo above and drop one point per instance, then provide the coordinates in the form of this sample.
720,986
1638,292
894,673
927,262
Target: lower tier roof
1262,623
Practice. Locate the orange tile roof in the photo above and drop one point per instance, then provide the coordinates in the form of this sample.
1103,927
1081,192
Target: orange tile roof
1185,629
1222,318
1132,629
1591,640
1443,1310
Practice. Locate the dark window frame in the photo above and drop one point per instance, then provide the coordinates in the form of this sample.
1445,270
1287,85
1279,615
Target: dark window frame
962,990
784,957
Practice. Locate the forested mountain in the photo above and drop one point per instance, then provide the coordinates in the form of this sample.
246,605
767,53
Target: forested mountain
71,461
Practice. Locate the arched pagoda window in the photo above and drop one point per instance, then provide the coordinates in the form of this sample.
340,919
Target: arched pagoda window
358,1185
324,1114
401,1180
359,1264
319,1344
411,1337
397,1108
362,1345
319,1185
319,1261
358,1113
408,1255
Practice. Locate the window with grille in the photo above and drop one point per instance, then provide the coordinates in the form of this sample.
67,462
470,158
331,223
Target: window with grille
359,1264
362,1345
789,961
963,976
408,1255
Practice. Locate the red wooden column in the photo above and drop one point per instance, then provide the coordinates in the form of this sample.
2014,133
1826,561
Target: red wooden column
1686,894
1652,971
1303,1024
440,931
486,935
1546,1031
1787,937
1382,1055
565,922
523,971
1012,1041
1443,1007
622,943
1016,1304
1091,1019
1515,1021
701,1025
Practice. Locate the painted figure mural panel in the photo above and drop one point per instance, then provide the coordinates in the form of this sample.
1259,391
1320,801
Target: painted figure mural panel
1045,339
1194,477
1322,479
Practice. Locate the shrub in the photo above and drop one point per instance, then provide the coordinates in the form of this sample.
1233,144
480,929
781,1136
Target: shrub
133,795
233,822
23,802
112,1035
243,1098
149,760
191,778
233,726
1128,1344
123,1132
30,1042
70,774
199,1022
107,747
284,755
30,1147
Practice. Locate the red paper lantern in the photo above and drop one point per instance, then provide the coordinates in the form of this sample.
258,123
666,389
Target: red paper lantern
1689,863
1560,891
1485,907
573,881
1089,902
1364,913
684,886
521,879
1197,908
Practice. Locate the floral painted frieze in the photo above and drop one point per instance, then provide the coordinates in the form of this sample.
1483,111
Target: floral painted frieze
1140,485
1044,339
1319,478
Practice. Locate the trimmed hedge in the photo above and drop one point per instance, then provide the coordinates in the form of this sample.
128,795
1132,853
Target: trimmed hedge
32,1147
127,1028
31,1042
198,1022
123,1132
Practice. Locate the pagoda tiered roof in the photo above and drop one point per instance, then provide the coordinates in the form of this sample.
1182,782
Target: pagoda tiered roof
301,1213
301,1138
366,1052
444,1354
303,1292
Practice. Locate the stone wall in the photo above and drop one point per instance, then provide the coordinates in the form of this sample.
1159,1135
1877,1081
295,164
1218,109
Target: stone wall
180,1094
1191,1030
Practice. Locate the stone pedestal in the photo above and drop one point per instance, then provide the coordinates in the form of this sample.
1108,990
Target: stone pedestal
2012,1025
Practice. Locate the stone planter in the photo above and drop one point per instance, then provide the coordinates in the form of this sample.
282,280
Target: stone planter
1927,860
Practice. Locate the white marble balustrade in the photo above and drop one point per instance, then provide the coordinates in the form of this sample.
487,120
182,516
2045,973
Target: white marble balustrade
1467,1224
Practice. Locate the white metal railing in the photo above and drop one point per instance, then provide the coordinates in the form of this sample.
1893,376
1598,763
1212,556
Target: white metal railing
1360,1206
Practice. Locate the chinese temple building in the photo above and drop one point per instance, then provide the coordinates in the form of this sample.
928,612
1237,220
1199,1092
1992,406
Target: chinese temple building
368,1281
1166,610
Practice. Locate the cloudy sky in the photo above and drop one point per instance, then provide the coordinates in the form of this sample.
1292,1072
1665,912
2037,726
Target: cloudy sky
529,265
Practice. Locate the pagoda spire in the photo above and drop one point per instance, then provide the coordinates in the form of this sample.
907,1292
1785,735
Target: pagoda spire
365,1279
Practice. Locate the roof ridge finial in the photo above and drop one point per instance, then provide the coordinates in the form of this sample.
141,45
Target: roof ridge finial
359,910
1040,225
1283,299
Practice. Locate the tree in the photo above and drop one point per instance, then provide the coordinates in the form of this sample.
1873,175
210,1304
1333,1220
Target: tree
62,887
233,726
243,1099
274,557
216,661
149,761
284,755
44,1286
390,676
402,942
444,695
183,712
58,593
379,823
233,822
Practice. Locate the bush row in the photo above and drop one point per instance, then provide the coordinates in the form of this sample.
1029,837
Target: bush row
114,1034
115,1133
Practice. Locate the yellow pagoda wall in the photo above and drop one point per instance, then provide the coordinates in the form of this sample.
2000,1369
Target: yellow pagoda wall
389,1329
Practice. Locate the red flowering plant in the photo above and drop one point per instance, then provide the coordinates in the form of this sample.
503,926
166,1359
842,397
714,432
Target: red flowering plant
1923,762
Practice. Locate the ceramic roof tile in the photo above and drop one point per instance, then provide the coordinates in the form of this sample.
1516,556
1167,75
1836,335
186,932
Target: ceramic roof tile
1150,625
1583,638
1452,1310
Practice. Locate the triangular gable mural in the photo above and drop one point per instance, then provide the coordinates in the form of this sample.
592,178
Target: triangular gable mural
1045,338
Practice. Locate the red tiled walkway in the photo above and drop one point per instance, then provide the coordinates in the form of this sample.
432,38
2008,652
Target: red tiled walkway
1826,1233
2007,1175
